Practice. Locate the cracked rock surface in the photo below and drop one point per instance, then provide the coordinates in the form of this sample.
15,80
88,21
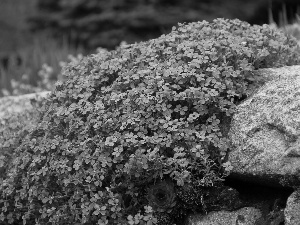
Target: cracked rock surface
265,130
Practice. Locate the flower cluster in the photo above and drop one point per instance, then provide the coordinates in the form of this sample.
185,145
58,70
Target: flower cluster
131,127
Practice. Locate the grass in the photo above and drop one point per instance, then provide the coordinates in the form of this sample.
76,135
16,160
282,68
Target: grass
292,28
28,67
28,61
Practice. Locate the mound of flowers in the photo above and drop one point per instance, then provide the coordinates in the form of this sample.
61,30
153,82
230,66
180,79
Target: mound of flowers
134,135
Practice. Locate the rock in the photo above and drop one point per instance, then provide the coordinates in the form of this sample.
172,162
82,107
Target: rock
222,198
265,129
244,216
18,104
292,210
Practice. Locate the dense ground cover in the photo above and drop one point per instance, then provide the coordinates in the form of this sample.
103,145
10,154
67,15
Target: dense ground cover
134,136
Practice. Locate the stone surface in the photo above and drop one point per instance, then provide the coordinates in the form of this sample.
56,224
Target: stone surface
244,216
265,129
292,210
17,104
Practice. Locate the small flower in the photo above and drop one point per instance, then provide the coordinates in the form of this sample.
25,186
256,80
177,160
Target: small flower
193,117
227,166
162,196
117,151
148,209
110,141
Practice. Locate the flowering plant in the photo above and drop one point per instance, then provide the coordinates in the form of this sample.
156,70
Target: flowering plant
126,119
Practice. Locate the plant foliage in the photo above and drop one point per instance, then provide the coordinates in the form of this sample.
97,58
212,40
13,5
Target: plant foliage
133,136
13,129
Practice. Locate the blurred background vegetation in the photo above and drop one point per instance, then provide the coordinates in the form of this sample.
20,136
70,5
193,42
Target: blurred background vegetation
38,36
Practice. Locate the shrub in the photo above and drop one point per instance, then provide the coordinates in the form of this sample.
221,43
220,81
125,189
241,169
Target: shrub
134,135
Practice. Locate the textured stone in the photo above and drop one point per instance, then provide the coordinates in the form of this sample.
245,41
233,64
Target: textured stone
16,104
292,210
244,216
265,130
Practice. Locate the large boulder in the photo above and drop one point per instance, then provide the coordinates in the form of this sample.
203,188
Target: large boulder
264,135
265,130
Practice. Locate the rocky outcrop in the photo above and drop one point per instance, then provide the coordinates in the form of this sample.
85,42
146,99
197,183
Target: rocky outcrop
265,130
17,104
265,153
